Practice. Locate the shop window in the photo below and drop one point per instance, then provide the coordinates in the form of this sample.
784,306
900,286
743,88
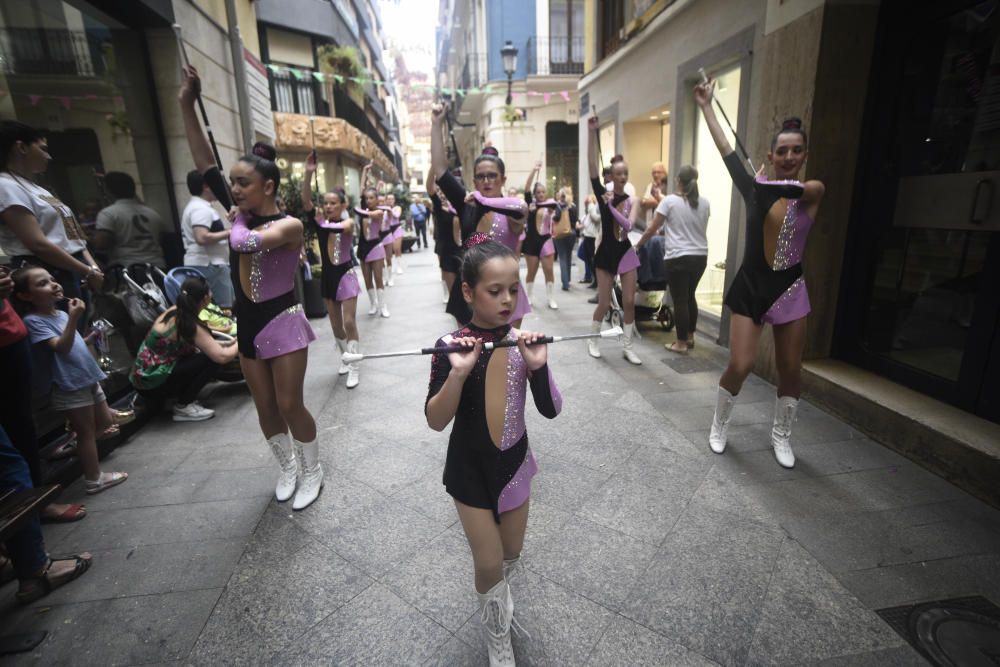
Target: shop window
611,21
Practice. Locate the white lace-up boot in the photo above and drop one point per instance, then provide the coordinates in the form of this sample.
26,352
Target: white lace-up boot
445,292
720,422
310,473
281,447
627,345
353,372
529,289
497,609
373,300
781,432
382,307
592,345
548,291
342,346
512,568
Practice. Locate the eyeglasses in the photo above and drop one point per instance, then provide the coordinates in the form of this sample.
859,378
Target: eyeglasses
487,176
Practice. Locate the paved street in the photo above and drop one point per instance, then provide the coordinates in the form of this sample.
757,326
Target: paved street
643,547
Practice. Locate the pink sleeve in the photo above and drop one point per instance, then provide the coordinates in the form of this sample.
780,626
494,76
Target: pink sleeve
512,207
241,238
620,218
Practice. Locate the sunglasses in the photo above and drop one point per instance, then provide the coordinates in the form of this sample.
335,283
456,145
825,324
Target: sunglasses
487,176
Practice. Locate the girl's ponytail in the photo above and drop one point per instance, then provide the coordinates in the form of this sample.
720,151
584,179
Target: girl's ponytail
688,177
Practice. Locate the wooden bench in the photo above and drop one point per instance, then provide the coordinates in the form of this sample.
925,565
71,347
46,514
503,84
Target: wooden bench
16,508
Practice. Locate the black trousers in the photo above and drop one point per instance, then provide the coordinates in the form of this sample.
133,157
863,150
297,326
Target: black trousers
191,374
683,275
420,229
588,258
15,403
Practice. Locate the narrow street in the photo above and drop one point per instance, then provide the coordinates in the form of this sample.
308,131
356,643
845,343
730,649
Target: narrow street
643,546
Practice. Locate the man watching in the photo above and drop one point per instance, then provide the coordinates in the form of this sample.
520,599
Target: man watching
206,239
128,231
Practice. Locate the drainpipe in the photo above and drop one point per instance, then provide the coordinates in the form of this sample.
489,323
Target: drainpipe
240,71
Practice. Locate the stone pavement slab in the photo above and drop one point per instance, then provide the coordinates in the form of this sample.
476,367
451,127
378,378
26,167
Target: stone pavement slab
643,547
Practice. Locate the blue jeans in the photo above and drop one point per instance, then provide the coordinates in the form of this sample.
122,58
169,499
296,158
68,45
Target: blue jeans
564,249
25,547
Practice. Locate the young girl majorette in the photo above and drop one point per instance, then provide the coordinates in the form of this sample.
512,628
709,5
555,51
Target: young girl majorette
339,285
614,254
538,246
447,236
395,231
489,465
65,367
371,251
484,210
769,287
385,234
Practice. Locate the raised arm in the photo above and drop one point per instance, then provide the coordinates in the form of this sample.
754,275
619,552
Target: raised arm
364,176
530,183
244,240
201,150
307,193
703,98
593,127
439,159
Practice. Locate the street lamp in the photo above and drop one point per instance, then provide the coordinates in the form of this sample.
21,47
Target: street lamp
509,53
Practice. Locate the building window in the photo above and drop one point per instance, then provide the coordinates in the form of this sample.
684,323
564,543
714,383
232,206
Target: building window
291,93
566,36
611,19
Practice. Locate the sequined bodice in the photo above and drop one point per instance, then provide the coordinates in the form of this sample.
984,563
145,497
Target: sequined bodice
338,244
500,230
272,272
785,240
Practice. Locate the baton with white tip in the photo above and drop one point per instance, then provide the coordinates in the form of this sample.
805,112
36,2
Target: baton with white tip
351,357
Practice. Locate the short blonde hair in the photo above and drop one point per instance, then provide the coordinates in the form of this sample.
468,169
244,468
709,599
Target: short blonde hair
568,191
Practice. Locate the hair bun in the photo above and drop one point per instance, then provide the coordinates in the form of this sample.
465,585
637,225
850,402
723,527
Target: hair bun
618,157
475,240
792,124
490,150
266,151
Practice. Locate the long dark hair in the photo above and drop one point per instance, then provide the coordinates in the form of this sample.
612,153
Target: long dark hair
688,178
193,292
11,132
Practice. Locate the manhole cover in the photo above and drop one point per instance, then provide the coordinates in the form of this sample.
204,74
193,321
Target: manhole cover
685,365
963,632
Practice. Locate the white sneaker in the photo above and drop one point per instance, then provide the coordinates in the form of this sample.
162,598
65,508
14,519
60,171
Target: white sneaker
781,432
720,422
445,292
192,412
353,374
281,447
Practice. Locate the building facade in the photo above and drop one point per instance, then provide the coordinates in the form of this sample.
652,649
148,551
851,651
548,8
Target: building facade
902,256
540,123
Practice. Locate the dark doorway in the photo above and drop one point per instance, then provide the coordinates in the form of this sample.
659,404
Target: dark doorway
561,155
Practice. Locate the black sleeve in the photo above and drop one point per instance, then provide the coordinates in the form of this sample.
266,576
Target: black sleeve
217,184
573,216
454,191
558,216
527,197
548,400
440,368
743,181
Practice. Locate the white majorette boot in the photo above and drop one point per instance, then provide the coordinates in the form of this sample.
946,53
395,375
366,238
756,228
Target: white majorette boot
548,291
383,309
342,346
399,266
389,282
512,568
720,422
310,473
592,347
529,289
353,374
373,300
781,431
627,340
497,609
281,447
445,291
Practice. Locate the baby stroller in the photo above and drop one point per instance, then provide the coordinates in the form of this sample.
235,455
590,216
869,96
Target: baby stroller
652,300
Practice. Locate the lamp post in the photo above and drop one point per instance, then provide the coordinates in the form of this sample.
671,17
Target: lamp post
509,53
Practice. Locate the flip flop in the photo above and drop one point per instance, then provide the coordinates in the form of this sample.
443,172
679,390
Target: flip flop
122,417
109,432
38,587
72,513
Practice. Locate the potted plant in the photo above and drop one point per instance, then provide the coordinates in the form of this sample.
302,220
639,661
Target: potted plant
512,114
344,61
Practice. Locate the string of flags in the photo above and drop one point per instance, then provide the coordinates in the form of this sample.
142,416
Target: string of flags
66,101
301,75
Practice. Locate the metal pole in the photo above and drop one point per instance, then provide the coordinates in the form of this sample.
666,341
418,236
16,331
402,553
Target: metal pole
240,72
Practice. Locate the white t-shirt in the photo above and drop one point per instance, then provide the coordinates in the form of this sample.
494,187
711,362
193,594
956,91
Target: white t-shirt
136,228
684,227
199,213
55,218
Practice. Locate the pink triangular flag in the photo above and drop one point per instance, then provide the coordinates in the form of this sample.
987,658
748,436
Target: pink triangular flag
546,97
66,102
35,99
565,95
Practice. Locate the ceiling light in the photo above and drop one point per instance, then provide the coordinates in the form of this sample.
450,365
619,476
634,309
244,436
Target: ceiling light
652,117
665,113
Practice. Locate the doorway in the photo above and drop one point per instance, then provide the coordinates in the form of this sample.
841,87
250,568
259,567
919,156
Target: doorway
920,282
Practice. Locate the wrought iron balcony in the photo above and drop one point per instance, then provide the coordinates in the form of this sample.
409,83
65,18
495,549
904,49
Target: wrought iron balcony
52,52
555,55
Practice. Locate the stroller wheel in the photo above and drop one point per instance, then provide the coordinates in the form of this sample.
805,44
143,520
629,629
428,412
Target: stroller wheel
665,317
616,318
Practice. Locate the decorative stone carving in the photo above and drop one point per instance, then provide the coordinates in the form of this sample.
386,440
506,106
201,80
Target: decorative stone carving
292,131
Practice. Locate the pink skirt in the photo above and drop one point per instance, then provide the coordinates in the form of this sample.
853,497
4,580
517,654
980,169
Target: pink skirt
288,332
548,249
348,287
398,234
628,262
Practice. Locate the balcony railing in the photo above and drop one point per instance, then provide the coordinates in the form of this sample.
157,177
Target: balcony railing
51,52
555,55
474,73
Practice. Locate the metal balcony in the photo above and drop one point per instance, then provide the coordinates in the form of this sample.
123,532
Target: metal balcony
43,51
555,55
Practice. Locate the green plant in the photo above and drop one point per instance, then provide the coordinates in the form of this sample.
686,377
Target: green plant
512,114
342,61
118,120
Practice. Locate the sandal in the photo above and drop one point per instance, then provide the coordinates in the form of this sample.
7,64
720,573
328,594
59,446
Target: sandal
109,432
672,347
105,482
63,451
72,513
122,417
41,585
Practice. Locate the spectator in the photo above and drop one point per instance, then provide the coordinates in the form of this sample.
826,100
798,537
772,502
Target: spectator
180,356
206,240
653,195
589,226
418,214
564,234
64,367
128,230
37,574
36,227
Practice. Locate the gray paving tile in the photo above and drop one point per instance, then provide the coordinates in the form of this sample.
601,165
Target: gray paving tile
564,484
227,639
130,630
427,496
341,499
808,616
375,628
456,653
277,535
626,643
904,656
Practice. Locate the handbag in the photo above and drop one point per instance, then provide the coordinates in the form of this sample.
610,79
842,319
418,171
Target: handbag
562,227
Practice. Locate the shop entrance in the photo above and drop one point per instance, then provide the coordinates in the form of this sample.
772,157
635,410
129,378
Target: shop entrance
921,304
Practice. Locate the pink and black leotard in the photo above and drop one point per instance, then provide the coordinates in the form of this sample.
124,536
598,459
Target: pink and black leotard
470,215
769,287
489,464
272,322
614,252
339,282
370,242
